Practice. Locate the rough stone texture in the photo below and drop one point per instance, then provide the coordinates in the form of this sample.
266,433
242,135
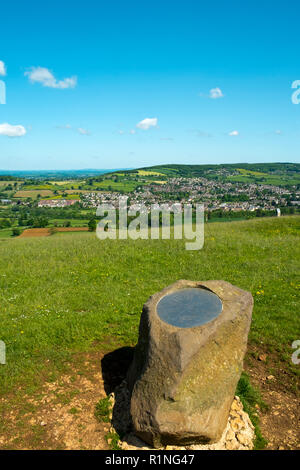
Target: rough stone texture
237,435
182,380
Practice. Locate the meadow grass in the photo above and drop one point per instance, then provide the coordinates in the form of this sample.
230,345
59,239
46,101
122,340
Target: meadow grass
149,173
68,293
263,178
123,184
6,233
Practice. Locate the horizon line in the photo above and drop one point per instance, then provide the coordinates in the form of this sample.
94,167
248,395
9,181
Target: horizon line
150,166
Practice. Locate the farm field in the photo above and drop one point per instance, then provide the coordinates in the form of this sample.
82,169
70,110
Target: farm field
4,183
248,176
68,300
69,196
126,185
35,232
45,232
149,173
265,179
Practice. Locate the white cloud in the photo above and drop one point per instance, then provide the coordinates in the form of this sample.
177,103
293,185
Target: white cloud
132,131
47,79
12,131
215,93
278,132
145,124
83,131
2,68
233,133
80,130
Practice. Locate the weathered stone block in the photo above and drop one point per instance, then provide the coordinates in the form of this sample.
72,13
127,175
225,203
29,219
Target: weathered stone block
183,380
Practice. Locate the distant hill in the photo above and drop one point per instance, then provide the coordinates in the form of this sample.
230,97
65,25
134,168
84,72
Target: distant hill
279,174
55,174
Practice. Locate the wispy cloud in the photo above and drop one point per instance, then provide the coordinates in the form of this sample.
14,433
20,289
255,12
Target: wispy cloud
147,123
83,131
46,78
80,130
2,68
215,93
12,131
233,133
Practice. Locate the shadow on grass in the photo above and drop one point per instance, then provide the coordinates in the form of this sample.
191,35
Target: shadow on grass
114,370
114,367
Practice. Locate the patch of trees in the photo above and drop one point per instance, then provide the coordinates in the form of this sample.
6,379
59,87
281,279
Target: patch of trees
235,197
16,232
92,225
5,223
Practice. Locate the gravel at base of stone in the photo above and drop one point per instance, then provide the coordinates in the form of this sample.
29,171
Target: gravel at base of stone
238,434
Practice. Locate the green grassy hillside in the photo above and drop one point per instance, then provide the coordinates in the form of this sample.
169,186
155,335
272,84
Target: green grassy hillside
63,294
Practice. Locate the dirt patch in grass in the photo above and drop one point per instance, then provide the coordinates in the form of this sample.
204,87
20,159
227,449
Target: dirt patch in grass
280,423
35,232
45,232
62,414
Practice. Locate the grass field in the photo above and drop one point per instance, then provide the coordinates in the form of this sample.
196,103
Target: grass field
62,294
70,196
5,233
69,294
65,182
149,173
123,184
248,176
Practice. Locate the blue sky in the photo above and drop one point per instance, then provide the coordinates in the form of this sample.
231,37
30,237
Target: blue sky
126,84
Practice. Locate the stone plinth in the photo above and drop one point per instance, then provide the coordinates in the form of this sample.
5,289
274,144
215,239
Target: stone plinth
183,378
